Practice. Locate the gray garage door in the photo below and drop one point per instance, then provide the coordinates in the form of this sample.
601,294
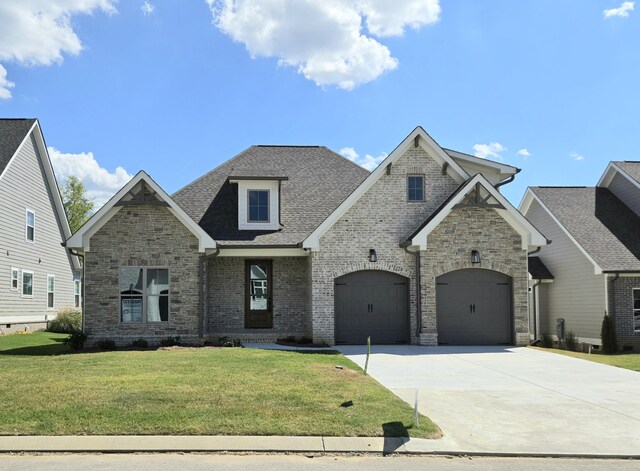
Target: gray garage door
474,308
371,303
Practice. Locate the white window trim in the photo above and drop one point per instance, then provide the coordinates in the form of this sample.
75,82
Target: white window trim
77,291
51,292
424,196
252,221
17,270
636,329
144,297
33,284
26,225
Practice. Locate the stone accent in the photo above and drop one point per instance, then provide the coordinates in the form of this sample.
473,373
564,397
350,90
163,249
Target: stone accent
291,299
141,236
449,248
381,219
620,305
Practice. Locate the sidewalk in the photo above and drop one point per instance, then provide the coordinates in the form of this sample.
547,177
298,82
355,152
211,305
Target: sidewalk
258,444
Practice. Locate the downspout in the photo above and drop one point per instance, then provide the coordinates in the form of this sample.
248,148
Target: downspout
418,292
613,301
81,256
202,292
508,180
536,310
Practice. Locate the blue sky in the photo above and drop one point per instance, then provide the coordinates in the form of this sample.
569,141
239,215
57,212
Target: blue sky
176,87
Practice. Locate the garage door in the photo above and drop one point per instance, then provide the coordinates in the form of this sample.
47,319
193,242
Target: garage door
371,303
473,308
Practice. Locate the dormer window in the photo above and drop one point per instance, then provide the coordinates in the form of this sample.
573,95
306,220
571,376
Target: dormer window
258,206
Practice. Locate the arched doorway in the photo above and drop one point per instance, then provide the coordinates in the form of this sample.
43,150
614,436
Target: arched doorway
473,307
371,303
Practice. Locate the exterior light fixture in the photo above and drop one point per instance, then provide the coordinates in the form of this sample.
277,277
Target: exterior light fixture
475,257
373,257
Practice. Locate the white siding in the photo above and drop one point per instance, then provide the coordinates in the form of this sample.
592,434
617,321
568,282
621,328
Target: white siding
626,192
576,294
24,186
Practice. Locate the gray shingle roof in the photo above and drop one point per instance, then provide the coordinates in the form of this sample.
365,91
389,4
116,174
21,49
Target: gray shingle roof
539,270
12,133
602,224
632,168
318,181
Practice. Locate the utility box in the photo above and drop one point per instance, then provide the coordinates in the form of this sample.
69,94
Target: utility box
560,328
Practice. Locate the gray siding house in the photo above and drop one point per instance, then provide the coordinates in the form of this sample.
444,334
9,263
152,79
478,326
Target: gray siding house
298,241
37,275
593,265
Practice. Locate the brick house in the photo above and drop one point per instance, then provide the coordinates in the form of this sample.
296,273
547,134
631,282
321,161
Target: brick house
299,241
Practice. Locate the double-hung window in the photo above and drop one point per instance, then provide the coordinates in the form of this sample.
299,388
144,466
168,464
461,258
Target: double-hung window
51,288
76,293
30,226
636,309
144,295
415,188
258,206
27,284
15,276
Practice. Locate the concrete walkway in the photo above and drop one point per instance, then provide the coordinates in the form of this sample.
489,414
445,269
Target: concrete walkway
499,400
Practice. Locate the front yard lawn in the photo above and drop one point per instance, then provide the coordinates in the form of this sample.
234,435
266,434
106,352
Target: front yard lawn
203,391
630,361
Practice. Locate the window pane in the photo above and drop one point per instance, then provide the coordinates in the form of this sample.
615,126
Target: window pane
27,284
77,300
76,288
131,280
50,284
50,300
157,281
131,309
259,289
157,308
31,218
30,234
415,188
258,205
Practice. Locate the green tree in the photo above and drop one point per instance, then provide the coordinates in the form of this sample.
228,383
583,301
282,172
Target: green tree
608,335
76,204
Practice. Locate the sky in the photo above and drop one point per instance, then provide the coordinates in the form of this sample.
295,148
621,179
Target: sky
176,87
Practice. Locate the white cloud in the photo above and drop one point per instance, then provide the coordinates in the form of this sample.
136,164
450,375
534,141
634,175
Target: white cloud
147,8
484,151
622,11
39,32
576,156
98,181
524,153
368,161
323,39
5,84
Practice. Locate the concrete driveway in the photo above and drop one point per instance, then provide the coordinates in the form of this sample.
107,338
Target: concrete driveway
514,400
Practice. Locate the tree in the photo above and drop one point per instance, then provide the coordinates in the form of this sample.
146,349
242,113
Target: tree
76,204
608,335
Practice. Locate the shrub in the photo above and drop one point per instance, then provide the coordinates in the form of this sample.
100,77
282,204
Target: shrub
571,341
227,342
67,321
608,335
170,341
140,343
547,341
106,344
76,340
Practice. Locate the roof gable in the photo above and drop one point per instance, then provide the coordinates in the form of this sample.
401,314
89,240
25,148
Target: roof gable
629,170
13,133
141,189
484,193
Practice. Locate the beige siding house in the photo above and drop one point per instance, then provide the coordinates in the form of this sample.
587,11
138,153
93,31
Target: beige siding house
38,277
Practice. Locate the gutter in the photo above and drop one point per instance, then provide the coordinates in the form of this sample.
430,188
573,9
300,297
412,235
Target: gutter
508,180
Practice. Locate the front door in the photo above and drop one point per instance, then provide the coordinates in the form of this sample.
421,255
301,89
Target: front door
258,313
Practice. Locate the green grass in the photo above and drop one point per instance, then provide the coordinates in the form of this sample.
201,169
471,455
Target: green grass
227,391
630,361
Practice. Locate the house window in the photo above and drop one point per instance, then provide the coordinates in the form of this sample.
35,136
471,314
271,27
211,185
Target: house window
30,226
51,287
415,188
76,293
15,275
144,295
258,206
27,283
636,309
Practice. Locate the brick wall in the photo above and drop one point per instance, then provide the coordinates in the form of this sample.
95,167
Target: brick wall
620,304
141,236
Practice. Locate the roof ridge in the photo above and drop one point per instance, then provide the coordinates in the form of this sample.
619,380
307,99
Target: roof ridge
286,145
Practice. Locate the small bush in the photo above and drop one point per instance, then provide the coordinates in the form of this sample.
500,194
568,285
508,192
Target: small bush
67,321
547,341
106,344
140,343
571,341
227,342
170,341
608,336
76,340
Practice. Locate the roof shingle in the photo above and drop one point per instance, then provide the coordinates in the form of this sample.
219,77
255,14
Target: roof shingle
12,133
631,168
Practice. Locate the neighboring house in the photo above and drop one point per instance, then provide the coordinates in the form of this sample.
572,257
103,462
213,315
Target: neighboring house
37,275
593,265
298,241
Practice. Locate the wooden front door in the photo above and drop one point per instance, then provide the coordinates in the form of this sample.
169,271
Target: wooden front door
258,312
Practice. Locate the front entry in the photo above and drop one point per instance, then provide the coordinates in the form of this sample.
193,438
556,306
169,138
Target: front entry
258,312
371,303
473,307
